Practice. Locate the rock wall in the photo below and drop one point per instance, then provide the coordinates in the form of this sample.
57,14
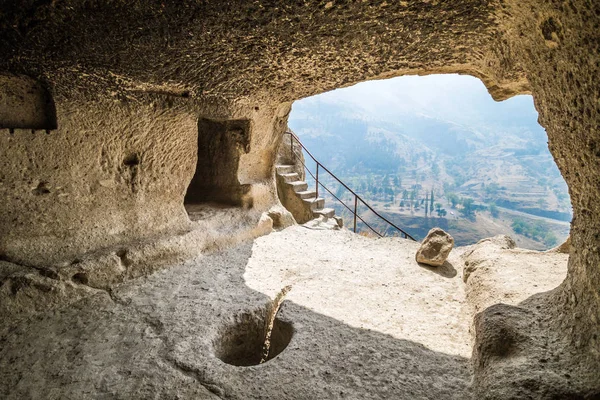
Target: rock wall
99,179
141,89
114,172
557,44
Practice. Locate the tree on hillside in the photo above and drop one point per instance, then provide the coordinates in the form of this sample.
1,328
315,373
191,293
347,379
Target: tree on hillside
431,203
441,212
535,230
413,194
491,190
468,207
453,199
390,192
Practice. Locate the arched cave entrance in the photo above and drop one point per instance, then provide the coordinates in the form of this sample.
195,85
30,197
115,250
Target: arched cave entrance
398,141
545,48
220,146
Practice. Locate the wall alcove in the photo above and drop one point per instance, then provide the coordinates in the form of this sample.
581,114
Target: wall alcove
220,146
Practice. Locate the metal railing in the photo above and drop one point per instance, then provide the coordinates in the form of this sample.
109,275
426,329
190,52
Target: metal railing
357,198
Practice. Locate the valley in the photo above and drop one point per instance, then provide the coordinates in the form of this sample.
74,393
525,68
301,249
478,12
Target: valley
486,164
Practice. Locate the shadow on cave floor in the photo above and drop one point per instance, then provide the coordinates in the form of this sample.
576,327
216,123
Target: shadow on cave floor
155,338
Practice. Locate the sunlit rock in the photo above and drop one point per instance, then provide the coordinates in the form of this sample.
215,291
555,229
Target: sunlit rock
435,248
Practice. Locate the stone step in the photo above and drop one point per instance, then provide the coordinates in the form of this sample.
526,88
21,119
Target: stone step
322,223
299,186
315,203
307,194
284,169
291,177
326,212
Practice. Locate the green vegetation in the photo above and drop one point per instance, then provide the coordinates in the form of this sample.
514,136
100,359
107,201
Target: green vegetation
468,207
536,230
453,199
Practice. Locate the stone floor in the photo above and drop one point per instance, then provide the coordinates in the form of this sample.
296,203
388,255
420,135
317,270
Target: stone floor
368,322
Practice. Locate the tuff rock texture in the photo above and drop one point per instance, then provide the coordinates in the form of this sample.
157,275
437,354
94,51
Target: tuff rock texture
290,152
506,289
435,248
171,335
128,88
563,248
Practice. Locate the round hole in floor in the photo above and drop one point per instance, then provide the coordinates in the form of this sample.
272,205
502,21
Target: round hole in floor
241,343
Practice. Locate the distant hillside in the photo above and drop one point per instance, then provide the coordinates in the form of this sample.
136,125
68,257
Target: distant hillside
399,139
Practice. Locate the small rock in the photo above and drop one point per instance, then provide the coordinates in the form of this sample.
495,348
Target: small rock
435,248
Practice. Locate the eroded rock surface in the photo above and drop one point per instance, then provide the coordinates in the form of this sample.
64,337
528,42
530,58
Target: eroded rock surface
165,337
371,323
509,290
564,248
435,248
129,83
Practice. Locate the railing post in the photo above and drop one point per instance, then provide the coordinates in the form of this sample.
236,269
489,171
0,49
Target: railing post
355,209
356,197
317,183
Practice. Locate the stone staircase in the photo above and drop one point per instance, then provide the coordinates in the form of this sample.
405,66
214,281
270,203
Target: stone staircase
303,203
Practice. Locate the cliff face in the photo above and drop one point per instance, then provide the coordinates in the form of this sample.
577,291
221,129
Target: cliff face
127,91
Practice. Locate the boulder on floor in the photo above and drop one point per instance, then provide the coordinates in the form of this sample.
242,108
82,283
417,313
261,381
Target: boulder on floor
435,248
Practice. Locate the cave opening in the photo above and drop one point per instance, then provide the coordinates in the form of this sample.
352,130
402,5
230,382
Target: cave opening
436,150
215,181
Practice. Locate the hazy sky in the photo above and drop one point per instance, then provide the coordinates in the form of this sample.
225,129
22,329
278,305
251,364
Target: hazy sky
460,98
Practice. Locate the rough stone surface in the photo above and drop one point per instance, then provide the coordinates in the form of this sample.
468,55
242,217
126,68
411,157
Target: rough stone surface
131,80
27,291
507,289
161,337
281,217
564,248
371,324
435,248
290,153
502,241
80,191
497,273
